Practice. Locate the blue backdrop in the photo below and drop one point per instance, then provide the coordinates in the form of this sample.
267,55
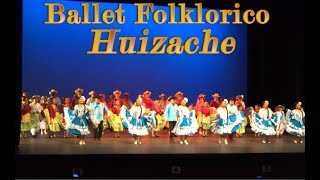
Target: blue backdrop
54,56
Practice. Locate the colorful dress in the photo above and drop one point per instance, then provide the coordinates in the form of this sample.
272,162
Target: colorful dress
229,121
161,122
295,122
263,122
136,121
36,110
114,119
198,108
280,122
242,128
25,117
53,118
187,123
79,120
206,117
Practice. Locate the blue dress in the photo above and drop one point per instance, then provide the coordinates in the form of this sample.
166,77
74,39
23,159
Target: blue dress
79,120
136,121
295,122
187,123
227,123
264,122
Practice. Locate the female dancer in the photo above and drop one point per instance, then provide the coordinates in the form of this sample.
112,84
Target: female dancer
296,122
160,118
206,118
242,129
280,120
25,116
229,121
115,120
53,117
198,108
263,122
138,120
187,123
79,120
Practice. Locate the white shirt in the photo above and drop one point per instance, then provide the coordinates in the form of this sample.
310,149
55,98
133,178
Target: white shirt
232,109
137,111
265,113
222,112
36,107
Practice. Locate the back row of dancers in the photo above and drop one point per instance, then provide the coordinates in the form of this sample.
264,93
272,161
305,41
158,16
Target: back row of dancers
221,116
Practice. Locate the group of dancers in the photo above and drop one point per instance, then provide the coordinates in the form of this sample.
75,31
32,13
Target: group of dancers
225,117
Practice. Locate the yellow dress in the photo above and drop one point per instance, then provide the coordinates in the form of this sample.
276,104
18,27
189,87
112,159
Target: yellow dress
199,119
115,122
161,122
206,122
25,119
53,123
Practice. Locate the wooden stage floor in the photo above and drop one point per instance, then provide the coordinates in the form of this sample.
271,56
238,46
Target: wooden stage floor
43,145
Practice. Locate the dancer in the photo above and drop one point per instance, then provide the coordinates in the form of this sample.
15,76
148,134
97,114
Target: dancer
187,123
53,95
170,115
110,101
280,120
239,101
229,121
79,120
117,97
105,117
43,124
126,100
296,122
160,118
53,117
138,120
77,94
99,110
115,120
232,108
25,116
36,110
262,122
215,101
66,119
198,108
179,96
206,116
242,129
256,109
146,100
91,100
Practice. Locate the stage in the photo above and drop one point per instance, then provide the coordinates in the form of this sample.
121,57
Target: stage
43,145
246,157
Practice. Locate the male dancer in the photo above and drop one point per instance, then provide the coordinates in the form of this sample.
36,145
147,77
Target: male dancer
99,110
170,114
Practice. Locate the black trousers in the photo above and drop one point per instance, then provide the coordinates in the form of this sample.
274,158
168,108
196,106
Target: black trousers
172,124
98,131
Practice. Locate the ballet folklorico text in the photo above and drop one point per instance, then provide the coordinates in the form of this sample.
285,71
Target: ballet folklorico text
92,14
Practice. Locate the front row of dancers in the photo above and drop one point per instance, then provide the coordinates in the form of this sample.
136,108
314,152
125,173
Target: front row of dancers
139,121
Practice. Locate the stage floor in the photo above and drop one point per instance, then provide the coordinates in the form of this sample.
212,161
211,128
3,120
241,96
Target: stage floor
43,145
